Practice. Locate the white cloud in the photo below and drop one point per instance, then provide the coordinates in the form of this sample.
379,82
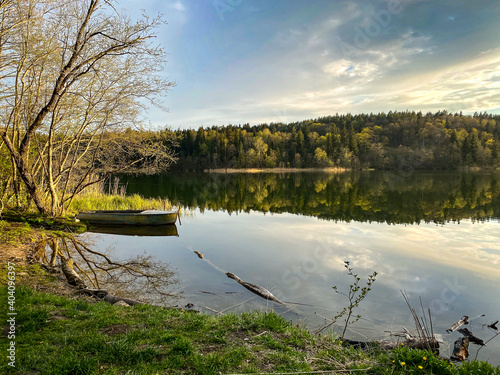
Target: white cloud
473,85
178,6
346,68
366,86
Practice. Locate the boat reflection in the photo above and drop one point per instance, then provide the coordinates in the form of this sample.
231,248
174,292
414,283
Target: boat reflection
137,230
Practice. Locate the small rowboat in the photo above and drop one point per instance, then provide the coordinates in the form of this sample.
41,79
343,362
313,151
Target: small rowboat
129,217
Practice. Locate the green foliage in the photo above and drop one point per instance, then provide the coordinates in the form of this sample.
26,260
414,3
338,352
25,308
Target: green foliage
415,361
355,295
478,368
99,201
18,226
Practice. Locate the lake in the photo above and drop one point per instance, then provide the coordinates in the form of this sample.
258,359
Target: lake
434,235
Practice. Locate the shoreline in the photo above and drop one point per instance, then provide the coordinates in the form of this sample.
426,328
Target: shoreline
276,170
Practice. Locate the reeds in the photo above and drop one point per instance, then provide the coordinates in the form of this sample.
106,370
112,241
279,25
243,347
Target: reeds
89,202
425,332
112,196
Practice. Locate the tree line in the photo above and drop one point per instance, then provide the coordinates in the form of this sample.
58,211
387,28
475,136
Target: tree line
393,140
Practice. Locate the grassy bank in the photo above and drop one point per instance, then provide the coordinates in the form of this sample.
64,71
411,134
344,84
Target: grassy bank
85,202
61,335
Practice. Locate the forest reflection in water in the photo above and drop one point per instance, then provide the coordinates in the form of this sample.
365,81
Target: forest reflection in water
389,197
141,277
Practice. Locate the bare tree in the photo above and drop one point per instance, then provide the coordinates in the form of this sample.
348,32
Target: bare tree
75,75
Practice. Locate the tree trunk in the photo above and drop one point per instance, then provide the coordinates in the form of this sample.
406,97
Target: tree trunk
20,161
71,275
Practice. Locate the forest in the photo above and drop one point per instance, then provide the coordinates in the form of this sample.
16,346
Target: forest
393,140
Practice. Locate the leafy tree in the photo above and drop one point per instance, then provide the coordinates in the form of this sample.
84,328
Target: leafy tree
321,158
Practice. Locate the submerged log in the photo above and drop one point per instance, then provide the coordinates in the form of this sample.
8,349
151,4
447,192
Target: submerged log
458,324
472,338
200,255
257,289
460,349
71,275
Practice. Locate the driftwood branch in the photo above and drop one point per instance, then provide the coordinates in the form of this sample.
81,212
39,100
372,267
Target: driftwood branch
472,338
75,280
71,275
458,324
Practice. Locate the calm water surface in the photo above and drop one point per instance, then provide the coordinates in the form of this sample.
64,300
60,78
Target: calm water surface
434,235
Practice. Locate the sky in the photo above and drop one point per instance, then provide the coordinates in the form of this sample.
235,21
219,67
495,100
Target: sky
263,61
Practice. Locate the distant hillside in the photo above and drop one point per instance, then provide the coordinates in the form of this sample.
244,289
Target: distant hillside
393,140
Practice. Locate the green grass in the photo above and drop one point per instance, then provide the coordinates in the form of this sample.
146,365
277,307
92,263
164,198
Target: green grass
100,201
10,234
24,227
61,335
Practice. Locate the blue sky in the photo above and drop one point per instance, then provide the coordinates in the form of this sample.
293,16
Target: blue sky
256,61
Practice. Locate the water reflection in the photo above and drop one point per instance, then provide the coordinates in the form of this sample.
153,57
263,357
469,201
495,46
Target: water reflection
137,230
141,277
358,196
450,259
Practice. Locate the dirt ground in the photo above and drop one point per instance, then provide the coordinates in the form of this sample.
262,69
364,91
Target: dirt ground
17,245
14,254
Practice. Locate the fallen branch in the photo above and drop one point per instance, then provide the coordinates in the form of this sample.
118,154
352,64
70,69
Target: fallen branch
71,275
215,311
473,339
113,299
456,325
